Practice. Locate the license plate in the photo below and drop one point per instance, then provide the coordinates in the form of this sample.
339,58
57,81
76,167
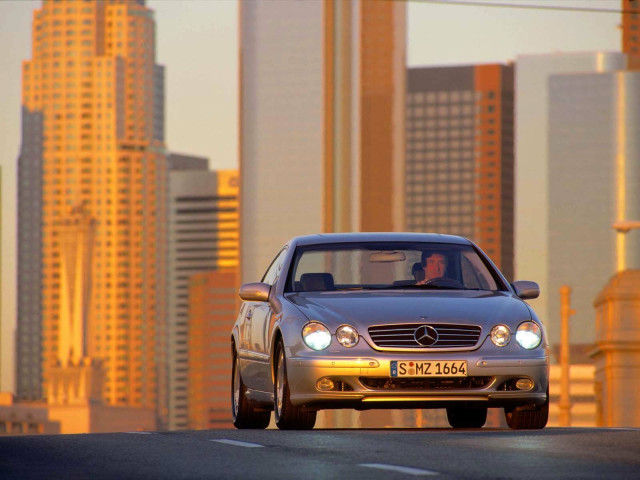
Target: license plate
454,368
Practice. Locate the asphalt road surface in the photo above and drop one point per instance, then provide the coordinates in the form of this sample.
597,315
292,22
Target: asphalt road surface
558,453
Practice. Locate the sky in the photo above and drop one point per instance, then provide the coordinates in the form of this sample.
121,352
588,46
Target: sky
197,42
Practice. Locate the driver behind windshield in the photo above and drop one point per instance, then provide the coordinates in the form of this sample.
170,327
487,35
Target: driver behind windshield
434,264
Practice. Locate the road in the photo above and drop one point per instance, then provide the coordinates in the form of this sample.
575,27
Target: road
559,453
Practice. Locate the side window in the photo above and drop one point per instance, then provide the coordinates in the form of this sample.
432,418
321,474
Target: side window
274,269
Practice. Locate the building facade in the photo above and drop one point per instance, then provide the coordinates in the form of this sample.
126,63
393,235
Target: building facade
321,121
617,351
212,310
27,419
93,174
532,205
631,32
459,157
203,236
3,358
29,282
594,182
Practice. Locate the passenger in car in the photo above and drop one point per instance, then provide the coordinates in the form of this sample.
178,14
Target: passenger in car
418,272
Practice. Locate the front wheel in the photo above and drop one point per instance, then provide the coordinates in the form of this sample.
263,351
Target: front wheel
522,418
287,415
467,417
243,412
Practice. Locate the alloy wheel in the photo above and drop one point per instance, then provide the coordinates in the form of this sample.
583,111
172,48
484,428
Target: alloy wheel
236,386
280,383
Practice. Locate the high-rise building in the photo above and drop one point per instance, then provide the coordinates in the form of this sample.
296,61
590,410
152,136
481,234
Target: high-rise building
212,311
203,236
178,162
2,360
29,289
459,158
321,121
532,231
92,173
593,182
631,32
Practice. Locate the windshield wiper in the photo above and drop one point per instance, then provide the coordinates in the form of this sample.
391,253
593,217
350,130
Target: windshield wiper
420,287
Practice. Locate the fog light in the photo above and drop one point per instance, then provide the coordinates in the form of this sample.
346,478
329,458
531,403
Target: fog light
524,384
325,384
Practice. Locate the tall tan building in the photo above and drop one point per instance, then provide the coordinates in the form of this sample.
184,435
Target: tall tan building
94,96
321,121
203,237
212,311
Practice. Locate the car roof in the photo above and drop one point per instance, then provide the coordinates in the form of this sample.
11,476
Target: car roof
377,237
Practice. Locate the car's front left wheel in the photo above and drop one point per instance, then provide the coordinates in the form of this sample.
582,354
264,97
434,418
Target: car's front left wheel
287,415
244,412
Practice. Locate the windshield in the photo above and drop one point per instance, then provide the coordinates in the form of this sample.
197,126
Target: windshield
385,265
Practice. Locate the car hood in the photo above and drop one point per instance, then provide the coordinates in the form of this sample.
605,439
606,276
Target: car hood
363,309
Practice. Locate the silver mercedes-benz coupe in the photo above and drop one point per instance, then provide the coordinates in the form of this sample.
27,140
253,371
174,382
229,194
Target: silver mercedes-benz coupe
387,320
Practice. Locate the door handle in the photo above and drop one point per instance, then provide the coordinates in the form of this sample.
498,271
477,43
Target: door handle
249,315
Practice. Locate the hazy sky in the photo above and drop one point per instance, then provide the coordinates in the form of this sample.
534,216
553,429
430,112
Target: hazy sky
197,41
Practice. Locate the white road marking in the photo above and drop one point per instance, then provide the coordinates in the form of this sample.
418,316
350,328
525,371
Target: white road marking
238,443
396,468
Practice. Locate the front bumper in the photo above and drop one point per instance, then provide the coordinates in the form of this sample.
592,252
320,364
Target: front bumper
365,382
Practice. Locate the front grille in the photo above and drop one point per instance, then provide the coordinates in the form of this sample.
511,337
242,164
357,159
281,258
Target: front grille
342,386
462,383
402,336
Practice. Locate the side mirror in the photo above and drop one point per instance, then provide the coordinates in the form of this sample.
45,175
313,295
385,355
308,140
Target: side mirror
526,290
255,292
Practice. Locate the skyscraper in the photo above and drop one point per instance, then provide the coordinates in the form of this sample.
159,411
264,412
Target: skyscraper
203,236
459,159
29,289
594,181
212,311
532,230
631,32
93,174
2,360
322,121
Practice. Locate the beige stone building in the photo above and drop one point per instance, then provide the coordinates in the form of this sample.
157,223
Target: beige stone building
100,180
582,396
322,93
32,418
617,352
203,238
24,419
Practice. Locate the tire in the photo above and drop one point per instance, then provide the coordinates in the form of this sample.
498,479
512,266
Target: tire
243,411
467,416
521,418
287,415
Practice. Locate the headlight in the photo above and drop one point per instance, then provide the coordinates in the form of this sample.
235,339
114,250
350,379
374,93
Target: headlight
500,336
529,335
347,336
316,336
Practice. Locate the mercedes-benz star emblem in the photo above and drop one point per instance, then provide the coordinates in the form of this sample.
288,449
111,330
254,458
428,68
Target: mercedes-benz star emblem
426,335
